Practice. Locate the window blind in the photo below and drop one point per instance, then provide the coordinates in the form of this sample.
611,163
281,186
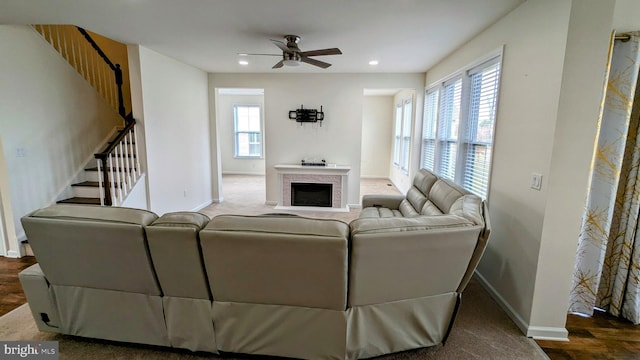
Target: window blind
459,124
448,125
429,130
397,136
481,124
407,112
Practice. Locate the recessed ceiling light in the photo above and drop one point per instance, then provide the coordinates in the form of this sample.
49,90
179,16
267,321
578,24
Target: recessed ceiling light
243,54
243,62
373,62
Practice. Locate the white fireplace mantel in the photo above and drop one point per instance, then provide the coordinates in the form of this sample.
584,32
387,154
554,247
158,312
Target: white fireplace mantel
332,174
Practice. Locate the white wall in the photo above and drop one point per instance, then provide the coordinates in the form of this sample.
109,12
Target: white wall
171,102
338,140
230,164
52,113
625,16
539,130
377,136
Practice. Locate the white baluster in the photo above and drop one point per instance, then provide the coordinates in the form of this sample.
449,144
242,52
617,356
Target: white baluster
111,177
100,183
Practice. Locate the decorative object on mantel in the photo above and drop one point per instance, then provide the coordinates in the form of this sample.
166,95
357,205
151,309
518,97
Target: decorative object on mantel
303,115
313,163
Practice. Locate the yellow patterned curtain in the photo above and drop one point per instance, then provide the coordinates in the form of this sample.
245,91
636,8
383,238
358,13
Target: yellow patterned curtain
607,271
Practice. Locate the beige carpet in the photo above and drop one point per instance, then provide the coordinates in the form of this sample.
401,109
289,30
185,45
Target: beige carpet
245,195
482,330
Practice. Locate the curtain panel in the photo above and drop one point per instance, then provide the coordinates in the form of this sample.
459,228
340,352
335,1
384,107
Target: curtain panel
607,271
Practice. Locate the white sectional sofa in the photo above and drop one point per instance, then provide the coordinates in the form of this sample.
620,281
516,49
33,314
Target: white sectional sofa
272,285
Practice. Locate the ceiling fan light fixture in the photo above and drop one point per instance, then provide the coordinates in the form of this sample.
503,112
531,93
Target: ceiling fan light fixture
291,59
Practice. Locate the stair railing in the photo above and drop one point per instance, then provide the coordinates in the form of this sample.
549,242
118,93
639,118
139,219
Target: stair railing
119,166
83,53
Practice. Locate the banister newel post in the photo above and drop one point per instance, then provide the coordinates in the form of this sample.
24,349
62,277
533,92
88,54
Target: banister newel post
118,73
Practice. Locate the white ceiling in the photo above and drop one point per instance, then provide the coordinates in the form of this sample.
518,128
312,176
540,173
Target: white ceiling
403,35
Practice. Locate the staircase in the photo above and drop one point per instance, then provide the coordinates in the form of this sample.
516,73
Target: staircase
113,173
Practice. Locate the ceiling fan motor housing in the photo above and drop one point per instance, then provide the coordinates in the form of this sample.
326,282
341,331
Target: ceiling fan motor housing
291,59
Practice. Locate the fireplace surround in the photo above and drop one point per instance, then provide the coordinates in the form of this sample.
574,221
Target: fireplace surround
334,176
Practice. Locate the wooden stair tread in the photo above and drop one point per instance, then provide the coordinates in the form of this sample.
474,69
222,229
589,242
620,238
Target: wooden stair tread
92,184
108,168
87,183
80,200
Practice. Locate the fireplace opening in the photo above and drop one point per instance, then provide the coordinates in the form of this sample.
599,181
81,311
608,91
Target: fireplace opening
311,194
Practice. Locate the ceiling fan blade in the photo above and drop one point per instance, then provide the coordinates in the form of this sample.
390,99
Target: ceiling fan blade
282,46
315,62
332,51
247,54
278,65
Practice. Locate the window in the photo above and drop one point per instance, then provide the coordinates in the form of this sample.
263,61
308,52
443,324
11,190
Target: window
402,135
397,142
407,111
429,129
247,129
459,124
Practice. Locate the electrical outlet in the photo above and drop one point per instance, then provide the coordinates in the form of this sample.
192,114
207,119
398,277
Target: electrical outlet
536,181
21,152
185,193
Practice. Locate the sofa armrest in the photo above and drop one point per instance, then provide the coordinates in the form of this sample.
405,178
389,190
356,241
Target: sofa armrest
479,250
41,302
386,201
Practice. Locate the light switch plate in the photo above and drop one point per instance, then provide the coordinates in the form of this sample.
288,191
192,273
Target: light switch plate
536,181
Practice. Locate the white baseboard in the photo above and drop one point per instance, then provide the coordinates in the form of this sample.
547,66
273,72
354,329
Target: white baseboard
374,177
203,205
242,173
217,200
13,253
271,203
354,206
548,333
522,325
535,332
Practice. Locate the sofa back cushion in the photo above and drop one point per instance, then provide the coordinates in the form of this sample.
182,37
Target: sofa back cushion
413,202
442,195
175,251
277,260
97,247
396,259
424,180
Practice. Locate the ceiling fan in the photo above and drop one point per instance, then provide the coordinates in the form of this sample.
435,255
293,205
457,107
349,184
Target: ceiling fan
292,55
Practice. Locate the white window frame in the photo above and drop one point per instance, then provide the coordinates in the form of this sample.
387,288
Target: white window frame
467,135
403,125
407,120
236,132
397,136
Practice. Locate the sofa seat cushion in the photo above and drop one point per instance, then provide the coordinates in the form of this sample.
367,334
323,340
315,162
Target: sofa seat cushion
379,212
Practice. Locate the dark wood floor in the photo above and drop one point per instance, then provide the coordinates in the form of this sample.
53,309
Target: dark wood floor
11,295
599,337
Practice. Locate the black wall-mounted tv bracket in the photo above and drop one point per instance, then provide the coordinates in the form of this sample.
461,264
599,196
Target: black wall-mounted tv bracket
303,115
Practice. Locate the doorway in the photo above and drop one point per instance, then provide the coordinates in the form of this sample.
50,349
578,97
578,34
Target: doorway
240,124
